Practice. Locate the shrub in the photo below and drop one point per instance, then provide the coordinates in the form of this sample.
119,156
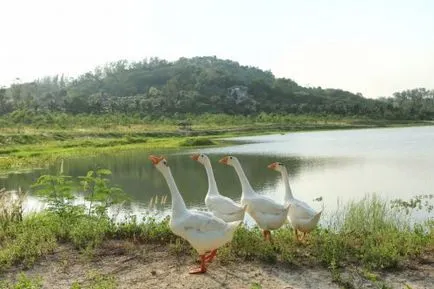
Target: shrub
197,142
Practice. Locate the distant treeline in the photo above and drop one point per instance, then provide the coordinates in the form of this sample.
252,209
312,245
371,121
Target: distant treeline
154,88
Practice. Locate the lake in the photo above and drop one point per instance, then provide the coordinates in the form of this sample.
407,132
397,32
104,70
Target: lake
336,165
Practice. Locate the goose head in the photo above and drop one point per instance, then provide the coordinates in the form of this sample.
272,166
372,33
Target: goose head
160,163
276,166
228,160
201,158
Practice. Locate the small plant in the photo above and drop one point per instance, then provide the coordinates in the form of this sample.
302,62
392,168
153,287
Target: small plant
11,206
89,232
97,281
22,282
256,285
99,193
57,190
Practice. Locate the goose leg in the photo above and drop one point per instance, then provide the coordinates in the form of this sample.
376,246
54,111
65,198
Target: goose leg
211,255
202,268
296,234
267,235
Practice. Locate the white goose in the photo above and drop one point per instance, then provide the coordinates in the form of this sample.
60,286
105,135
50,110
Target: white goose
302,217
222,207
202,230
268,214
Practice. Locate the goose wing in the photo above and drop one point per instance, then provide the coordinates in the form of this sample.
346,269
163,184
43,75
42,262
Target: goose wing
301,210
223,204
203,222
266,205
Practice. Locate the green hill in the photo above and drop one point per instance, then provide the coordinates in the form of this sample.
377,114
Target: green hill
198,85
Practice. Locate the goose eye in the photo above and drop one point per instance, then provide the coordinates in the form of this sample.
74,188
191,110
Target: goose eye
230,157
165,163
201,156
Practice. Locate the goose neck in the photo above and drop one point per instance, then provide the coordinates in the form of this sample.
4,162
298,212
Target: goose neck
178,205
288,193
212,185
245,185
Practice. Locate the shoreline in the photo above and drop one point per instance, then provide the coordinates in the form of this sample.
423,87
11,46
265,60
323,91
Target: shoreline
45,147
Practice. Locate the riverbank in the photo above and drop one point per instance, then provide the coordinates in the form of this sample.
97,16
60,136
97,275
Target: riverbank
367,244
122,264
35,146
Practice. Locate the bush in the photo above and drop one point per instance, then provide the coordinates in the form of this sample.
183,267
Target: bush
197,142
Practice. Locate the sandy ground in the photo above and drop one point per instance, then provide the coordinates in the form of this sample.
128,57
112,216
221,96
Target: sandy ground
152,266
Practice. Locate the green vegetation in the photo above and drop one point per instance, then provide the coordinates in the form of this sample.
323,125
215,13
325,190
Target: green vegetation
256,285
22,282
197,142
154,88
370,233
13,157
97,281
94,280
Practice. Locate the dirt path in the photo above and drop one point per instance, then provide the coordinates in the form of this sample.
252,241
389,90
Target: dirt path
152,266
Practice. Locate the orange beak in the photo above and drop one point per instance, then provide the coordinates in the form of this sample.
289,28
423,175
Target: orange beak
224,160
195,157
272,166
155,160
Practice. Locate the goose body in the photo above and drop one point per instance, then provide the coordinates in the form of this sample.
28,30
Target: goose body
205,232
268,214
302,217
221,206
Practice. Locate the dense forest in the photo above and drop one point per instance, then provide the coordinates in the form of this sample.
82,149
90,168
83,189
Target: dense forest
154,88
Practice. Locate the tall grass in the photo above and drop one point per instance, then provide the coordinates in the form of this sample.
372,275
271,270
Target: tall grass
372,232
11,206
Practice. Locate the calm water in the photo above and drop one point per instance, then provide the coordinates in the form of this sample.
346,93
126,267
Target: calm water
344,165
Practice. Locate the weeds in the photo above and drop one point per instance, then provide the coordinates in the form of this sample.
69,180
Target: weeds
22,282
96,280
11,206
197,142
99,193
57,191
256,285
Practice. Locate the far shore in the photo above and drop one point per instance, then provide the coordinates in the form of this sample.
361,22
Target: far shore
26,148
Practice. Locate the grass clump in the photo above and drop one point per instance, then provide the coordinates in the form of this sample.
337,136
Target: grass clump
369,233
97,280
24,242
188,142
22,282
372,233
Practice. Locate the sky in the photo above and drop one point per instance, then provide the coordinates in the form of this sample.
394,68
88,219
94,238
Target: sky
372,47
